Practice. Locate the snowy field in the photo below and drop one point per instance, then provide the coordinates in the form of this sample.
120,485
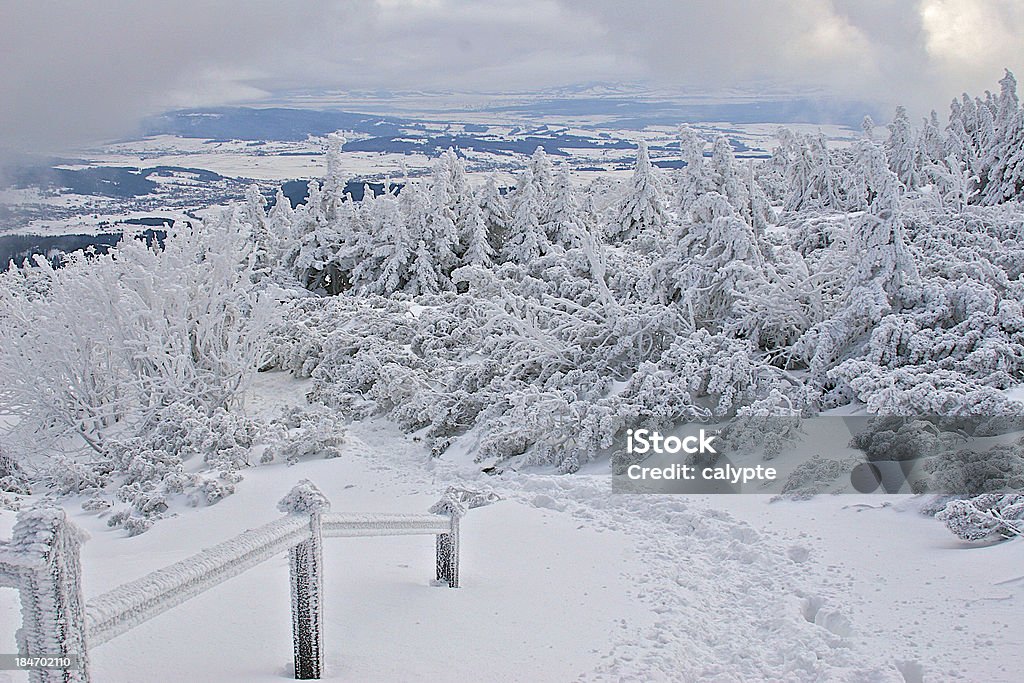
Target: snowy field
563,580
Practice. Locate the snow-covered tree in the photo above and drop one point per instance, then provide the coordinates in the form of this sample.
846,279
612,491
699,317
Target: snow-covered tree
903,151
931,142
430,238
879,248
542,173
1005,158
495,212
335,179
641,212
566,226
694,178
867,126
526,236
453,197
479,251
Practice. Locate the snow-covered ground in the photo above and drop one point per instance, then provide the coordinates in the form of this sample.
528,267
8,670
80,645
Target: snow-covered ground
564,580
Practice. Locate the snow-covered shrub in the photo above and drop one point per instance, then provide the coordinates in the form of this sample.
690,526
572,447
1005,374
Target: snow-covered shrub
177,324
12,477
990,515
68,476
180,454
133,524
305,432
971,472
815,476
898,438
304,498
768,423
919,391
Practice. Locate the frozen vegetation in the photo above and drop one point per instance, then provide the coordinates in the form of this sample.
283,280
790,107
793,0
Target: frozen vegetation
536,323
521,331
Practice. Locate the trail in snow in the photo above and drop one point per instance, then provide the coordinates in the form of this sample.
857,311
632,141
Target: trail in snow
564,580
737,601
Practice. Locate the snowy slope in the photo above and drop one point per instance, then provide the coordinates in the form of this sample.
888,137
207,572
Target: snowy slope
564,580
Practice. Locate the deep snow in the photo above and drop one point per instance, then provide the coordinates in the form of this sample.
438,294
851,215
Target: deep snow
563,580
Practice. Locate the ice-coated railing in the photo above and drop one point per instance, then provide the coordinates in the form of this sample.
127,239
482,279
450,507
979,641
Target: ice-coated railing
136,602
42,561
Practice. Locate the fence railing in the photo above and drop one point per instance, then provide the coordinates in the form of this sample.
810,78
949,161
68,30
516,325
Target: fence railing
42,561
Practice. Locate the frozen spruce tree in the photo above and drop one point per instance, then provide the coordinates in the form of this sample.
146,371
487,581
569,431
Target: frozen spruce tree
960,142
641,212
494,209
867,126
442,227
903,151
334,181
394,248
424,277
758,212
254,212
931,142
431,241
727,179
526,237
799,172
879,247
1005,158
566,226
694,180
479,251
452,196
282,245
816,180
542,174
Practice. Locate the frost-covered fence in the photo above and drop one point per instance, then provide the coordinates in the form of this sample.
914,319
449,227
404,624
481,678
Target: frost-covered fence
42,562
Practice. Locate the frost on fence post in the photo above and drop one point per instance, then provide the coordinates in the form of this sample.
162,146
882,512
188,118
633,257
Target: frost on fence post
46,547
306,562
454,504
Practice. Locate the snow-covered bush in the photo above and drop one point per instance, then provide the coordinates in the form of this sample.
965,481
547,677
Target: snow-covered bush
305,432
304,498
12,477
898,438
990,515
815,476
183,455
971,472
116,338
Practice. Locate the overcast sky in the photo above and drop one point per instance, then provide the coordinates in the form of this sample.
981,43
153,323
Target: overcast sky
72,72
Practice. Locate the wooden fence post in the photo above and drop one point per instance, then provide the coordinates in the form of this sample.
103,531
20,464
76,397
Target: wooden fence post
451,504
306,564
53,612
448,555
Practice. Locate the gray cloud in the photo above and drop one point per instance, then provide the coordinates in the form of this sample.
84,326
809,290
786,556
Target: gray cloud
72,72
